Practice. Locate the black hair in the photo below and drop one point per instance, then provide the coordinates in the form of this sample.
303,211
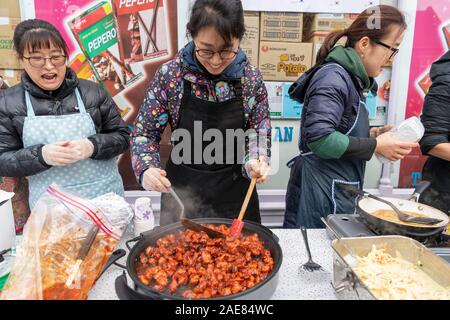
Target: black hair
35,34
226,16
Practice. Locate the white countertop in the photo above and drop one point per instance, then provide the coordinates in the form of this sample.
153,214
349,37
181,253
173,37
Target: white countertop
293,285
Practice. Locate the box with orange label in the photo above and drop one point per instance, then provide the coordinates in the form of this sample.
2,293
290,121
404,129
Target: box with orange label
284,61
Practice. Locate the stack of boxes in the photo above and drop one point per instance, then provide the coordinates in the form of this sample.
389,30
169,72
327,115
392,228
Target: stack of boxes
284,45
273,43
319,26
9,19
283,56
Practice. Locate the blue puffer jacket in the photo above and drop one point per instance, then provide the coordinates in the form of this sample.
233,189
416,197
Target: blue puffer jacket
335,95
330,96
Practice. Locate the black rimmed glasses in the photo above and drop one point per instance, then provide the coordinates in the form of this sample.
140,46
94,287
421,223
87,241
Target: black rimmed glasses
39,62
209,54
394,50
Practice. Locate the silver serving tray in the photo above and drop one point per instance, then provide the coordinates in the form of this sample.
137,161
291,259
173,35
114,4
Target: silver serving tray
347,284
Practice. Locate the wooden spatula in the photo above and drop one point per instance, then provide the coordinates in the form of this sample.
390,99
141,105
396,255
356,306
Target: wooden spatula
238,224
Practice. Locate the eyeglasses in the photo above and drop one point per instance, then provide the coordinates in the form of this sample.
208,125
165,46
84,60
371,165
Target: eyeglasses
39,62
223,54
394,50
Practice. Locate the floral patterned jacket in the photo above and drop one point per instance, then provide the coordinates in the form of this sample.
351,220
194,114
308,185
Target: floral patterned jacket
162,104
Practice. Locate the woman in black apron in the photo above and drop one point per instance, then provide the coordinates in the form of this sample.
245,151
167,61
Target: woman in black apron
336,140
209,89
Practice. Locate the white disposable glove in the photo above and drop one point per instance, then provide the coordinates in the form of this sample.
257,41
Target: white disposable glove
83,148
154,179
59,154
258,169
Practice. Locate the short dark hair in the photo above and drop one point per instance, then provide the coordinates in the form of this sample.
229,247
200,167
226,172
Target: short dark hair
226,16
34,34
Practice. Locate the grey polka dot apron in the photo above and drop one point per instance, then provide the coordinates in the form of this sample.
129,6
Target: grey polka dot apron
88,178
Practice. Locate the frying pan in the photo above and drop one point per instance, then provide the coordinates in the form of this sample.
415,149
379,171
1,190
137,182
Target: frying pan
366,207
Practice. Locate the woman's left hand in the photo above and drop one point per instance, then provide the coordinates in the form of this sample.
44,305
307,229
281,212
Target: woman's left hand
376,131
83,147
258,169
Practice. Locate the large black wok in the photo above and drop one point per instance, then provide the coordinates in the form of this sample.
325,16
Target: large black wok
261,291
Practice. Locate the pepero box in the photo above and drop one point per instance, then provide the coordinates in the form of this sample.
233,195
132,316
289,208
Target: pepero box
142,31
96,35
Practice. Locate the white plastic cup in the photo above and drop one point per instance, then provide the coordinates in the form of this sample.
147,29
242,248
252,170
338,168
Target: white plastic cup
143,209
141,226
144,219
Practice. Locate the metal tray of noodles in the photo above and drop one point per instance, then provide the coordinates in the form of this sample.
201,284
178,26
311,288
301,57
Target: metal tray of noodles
348,285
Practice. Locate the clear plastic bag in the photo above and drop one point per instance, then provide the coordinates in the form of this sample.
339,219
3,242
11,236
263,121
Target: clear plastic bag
53,239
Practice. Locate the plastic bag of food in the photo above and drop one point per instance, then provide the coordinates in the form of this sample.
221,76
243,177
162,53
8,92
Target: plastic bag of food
66,242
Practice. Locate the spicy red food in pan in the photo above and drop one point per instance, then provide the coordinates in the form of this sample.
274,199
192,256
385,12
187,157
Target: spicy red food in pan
192,265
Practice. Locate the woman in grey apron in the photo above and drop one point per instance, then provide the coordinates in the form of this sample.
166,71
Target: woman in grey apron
335,137
61,129
209,87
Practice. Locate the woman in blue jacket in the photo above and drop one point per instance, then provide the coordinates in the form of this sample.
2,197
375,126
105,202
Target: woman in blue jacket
335,138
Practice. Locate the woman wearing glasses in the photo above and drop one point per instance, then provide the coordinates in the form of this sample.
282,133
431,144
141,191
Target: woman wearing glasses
336,141
209,87
55,128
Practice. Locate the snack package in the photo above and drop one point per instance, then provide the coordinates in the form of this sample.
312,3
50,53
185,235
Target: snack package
80,65
66,242
96,35
142,32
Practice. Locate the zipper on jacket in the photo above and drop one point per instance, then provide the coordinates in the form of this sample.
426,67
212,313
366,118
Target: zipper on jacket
56,106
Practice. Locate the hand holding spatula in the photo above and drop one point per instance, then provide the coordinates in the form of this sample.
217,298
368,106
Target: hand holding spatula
238,224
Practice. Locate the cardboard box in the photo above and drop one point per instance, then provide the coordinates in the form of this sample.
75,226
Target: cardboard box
327,22
250,42
10,9
281,26
284,61
318,39
11,76
8,58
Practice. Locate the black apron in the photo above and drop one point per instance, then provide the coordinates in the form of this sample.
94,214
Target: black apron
437,195
209,190
320,194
